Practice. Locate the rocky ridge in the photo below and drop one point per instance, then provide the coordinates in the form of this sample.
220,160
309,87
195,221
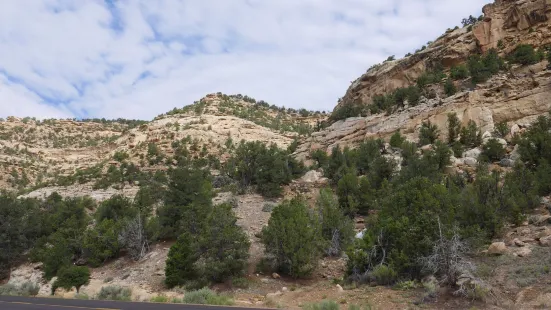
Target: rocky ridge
46,155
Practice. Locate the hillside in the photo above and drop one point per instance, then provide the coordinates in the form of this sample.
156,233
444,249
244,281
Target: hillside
71,156
427,187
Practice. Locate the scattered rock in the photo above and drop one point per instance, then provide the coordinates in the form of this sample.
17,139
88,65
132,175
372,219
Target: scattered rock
497,248
264,280
284,289
276,276
515,155
523,252
469,161
518,243
473,153
507,162
545,241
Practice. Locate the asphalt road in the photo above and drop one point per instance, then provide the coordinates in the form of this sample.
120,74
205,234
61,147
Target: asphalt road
34,303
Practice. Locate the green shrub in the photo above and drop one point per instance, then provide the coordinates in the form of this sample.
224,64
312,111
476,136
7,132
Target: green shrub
160,299
73,276
348,191
397,140
324,305
267,168
219,252
114,293
25,289
336,228
524,54
406,285
428,134
449,88
492,151
471,136
292,238
240,282
454,127
120,156
384,275
501,129
101,242
206,296
483,67
30,289
459,72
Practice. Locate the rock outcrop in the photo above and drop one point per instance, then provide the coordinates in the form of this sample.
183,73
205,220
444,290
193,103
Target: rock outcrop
516,96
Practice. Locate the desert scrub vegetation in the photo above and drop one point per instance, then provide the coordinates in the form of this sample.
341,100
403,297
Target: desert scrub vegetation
25,289
114,293
206,296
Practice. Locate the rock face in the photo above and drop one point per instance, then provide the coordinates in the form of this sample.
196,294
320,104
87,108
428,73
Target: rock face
516,97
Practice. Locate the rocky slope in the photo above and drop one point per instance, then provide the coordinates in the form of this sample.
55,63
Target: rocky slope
67,156
517,96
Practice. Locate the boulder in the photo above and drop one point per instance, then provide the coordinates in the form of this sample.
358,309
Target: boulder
507,162
523,252
515,129
497,248
518,242
514,154
473,153
545,241
311,176
469,161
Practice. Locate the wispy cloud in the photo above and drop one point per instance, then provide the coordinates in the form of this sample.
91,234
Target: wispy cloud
137,59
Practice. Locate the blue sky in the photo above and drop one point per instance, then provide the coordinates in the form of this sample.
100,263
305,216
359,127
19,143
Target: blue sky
138,59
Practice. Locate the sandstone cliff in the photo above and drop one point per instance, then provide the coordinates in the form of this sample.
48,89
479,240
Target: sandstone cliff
517,96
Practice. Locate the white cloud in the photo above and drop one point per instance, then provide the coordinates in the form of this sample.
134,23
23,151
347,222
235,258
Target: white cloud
137,59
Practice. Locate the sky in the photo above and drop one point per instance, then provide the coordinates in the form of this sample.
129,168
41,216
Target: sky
137,59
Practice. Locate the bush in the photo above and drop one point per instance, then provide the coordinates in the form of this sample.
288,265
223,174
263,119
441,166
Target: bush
240,283
101,242
492,151
336,228
397,140
73,276
501,129
218,253
483,67
26,289
384,275
206,296
454,127
428,134
292,238
471,136
324,305
524,54
268,168
160,299
459,72
449,88
114,293
348,191
224,246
